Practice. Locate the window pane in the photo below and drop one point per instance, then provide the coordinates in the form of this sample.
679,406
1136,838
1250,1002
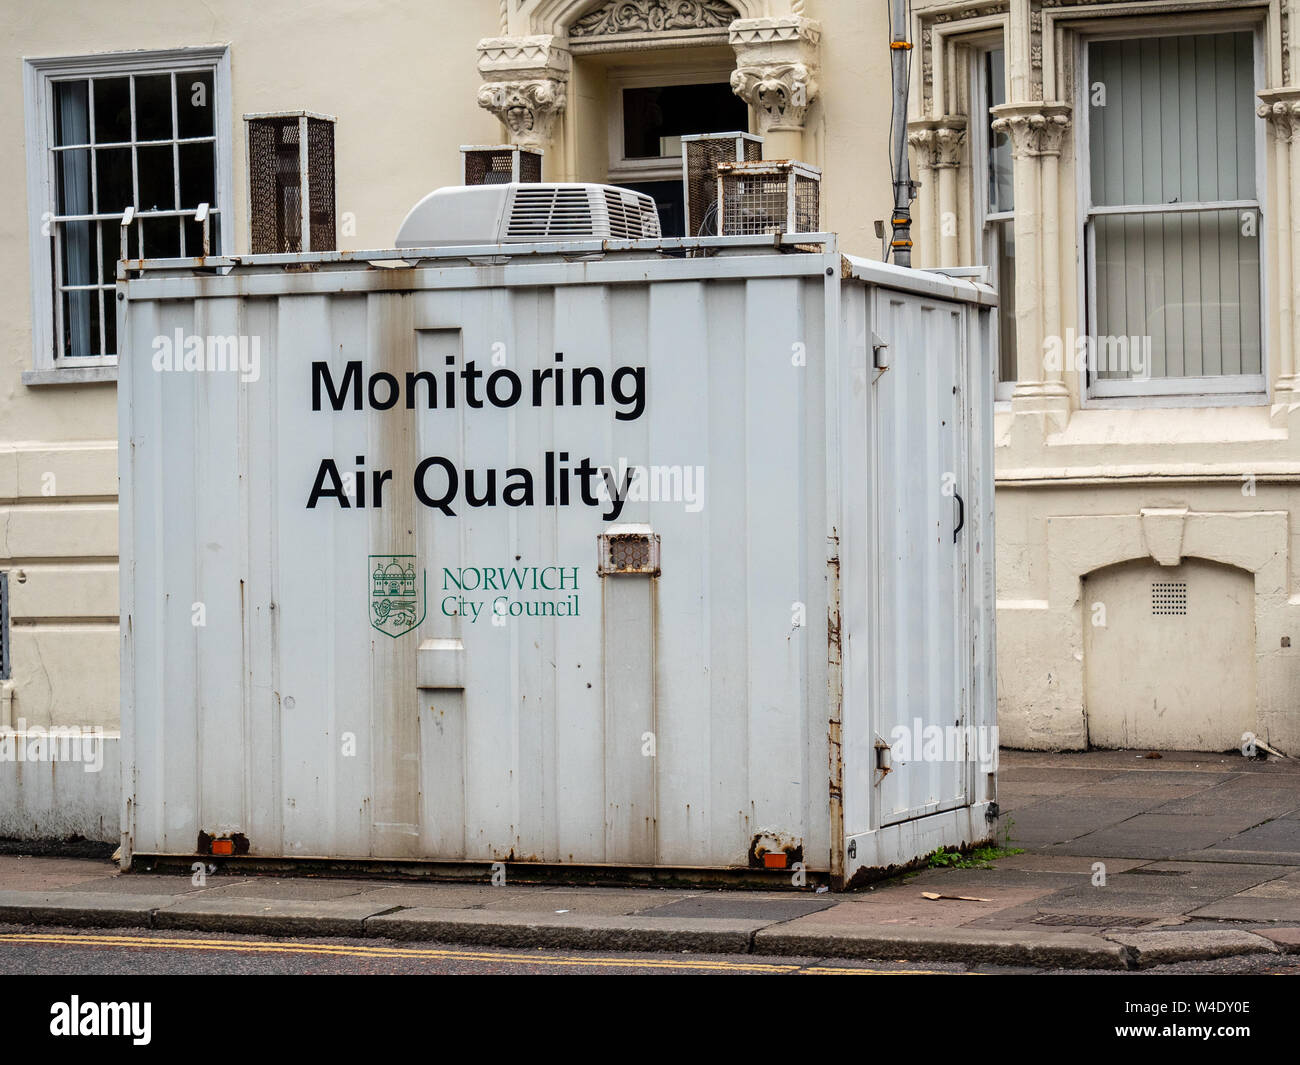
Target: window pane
156,170
1172,119
112,180
81,322
72,181
655,117
194,103
153,107
71,113
76,248
198,174
1004,264
1177,295
162,238
112,110
194,236
999,161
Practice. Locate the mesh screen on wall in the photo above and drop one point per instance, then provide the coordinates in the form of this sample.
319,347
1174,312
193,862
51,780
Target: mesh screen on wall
497,164
701,154
291,183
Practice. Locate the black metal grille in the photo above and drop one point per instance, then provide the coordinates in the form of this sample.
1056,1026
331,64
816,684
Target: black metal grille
320,185
276,185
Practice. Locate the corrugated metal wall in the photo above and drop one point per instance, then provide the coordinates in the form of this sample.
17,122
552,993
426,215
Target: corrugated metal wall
528,739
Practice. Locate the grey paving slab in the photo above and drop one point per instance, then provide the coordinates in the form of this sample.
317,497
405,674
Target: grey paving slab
1286,886
1065,819
1108,900
140,885
1150,835
1193,879
738,906
1244,908
1281,836
1238,796
286,888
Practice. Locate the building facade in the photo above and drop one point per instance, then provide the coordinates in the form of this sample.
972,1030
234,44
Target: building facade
1122,170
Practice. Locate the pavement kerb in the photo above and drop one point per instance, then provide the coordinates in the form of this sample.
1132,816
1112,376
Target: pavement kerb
1116,950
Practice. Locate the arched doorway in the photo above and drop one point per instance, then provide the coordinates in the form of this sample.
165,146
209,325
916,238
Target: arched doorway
1169,655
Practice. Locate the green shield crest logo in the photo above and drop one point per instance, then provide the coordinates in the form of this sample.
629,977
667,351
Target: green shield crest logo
397,594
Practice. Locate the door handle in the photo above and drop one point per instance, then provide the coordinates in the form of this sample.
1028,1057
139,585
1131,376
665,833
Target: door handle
961,515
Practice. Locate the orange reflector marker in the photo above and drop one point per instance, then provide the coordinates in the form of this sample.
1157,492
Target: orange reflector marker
774,861
223,846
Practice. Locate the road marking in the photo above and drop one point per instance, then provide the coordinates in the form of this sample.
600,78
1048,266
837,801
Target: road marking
240,946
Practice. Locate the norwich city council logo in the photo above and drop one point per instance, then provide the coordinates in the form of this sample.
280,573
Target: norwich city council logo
396,594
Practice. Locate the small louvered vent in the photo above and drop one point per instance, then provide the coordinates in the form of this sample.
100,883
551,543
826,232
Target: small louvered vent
1169,597
550,211
623,223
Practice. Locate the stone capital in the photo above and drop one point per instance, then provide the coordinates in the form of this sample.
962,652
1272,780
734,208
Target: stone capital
525,84
938,141
1035,129
776,68
1280,108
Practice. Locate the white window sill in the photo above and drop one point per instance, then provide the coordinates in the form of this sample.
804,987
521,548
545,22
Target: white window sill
1223,399
70,375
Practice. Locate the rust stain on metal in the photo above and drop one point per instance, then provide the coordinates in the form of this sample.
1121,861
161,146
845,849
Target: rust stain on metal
834,704
775,850
232,843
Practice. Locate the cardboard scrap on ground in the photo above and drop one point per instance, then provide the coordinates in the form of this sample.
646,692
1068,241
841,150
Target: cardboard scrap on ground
954,898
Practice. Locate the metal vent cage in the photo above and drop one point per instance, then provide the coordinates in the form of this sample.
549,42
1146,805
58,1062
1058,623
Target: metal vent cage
629,552
701,154
771,197
498,164
291,183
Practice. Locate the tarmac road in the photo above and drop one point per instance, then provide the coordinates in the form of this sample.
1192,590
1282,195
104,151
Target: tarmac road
90,952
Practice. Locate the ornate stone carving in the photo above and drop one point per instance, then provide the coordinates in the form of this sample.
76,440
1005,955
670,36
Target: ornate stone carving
938,142
1035,129
525,84
1281,110
928,22
776,68
653,16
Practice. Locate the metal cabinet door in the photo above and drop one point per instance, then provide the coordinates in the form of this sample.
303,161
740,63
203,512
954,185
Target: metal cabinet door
919,488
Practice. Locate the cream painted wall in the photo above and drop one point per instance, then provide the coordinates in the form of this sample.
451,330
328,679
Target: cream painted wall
1074,479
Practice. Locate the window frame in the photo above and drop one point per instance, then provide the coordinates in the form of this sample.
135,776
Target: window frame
623,168
985,219
1218,390
39,78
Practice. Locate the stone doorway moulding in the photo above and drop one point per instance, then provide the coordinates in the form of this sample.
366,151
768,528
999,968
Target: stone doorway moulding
1254,541
525,69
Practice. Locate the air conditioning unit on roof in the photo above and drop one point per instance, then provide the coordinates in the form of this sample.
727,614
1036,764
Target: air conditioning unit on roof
519,213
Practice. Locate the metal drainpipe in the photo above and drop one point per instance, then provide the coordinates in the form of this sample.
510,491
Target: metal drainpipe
904,190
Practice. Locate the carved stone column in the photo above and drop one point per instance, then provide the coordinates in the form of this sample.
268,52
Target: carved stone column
1037,131
938,143
776,74
525,84
1281,110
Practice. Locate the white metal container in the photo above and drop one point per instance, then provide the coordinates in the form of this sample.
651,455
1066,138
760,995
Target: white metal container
711,678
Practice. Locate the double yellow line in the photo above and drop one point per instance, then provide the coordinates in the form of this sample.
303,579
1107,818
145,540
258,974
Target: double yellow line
334,950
